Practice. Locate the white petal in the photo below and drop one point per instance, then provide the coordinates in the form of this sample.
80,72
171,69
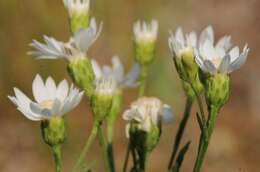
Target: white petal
39,91
179,37
51,87
167,114
236,64
62,90
207,34
223,67
118,69
234,53
96,68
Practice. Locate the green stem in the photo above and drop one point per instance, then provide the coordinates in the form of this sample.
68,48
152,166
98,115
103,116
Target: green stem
88,143
143,161
180,130
205,139
126,157
110,129
56,150
108,162
142,79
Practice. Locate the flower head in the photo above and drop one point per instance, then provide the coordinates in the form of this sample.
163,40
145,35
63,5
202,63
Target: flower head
77,46
179,44
77,6
147,112
50,100
116,72
146,32
219,58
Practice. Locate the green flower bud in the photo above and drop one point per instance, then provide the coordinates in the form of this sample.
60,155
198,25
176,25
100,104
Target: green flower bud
79,21
217,88
145,37
53,131
82,73
101,100
188,71
78,13
144,52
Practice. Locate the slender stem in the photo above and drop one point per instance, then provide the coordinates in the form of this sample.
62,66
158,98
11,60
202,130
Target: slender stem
56,150
135,161
205,139
103,143
180,131
143,161
142,79
110,150
88,143
126,157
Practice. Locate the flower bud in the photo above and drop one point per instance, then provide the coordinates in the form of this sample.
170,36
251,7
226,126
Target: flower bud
78,13
102,97
53,131
81,72
183,56
145,37
145,118
217,89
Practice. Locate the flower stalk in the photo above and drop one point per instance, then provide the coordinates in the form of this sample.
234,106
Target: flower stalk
56,150
205,138
180,131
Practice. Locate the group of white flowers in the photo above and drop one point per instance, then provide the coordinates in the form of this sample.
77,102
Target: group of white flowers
53,100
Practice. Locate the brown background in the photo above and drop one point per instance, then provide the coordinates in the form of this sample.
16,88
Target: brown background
235,145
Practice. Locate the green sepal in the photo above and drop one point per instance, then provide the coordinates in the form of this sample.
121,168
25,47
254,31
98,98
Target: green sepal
144,52
79,21
101,106
82,74
53,131
217,88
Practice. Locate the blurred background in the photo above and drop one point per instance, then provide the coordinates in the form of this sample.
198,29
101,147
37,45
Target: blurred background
235,145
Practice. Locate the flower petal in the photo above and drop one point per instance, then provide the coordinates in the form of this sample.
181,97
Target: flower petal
39,89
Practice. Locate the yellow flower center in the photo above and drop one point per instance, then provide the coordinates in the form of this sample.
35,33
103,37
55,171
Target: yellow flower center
47,104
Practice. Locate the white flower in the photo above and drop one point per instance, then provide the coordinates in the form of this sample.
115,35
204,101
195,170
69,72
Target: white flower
116,71
77,47
77,6
179,44
147,112
51,100
146,32
220,57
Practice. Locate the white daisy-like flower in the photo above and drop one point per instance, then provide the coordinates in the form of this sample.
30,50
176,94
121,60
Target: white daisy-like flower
146,32
50,100
76,48
77,6
147,112
220,57
179,43
116,71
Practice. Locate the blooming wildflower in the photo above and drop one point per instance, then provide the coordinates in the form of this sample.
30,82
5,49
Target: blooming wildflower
116,71
219,58
147,112
76,48
51,100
